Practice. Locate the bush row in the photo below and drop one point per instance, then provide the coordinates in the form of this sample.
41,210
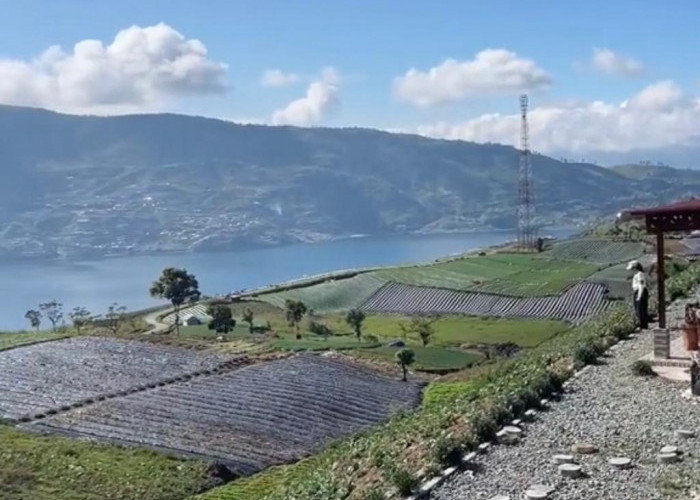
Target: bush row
680,284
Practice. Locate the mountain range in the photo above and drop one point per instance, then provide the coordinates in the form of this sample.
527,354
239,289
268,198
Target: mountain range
77,186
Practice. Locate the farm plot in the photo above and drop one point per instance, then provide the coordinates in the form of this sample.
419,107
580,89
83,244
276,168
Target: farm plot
331,296
576,304
250,418
198,311
46,376
596,251
512,274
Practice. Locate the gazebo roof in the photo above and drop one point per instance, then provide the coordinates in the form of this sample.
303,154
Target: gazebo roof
680,216
679,208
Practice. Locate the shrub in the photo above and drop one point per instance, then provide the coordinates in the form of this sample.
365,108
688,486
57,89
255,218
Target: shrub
447,451
643,368
319,328
586,354
374,495
372,339
402,480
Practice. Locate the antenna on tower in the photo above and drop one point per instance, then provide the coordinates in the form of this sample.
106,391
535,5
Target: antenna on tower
525,192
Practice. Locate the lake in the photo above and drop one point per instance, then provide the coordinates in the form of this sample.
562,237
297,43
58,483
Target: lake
96,284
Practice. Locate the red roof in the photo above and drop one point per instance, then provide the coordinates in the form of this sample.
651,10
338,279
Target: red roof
683,207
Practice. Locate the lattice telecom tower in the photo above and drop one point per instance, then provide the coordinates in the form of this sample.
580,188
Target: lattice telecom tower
526,233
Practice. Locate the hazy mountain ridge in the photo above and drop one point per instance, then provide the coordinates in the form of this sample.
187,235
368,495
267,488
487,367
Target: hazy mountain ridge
141,183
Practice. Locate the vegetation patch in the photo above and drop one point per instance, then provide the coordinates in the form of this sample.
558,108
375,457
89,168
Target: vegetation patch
10,340
54,468
250,418
426,358
596,251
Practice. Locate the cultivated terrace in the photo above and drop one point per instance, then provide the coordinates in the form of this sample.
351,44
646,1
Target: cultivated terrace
295,392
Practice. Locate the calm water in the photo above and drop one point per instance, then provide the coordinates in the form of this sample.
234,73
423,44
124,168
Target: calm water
96,284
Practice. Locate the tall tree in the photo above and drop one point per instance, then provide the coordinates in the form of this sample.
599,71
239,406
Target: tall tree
34,318
177,286
248,317
80,317
355,318
405,358
53,311
421,327
221,319
115,317
295,313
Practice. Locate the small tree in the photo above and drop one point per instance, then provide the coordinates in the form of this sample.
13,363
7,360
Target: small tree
405,358
295,313
80,318
221,319
248,317
177,286
115,317
34,318
53,311
355,318
422,327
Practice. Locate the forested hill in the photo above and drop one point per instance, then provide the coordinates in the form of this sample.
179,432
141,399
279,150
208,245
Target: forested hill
77,185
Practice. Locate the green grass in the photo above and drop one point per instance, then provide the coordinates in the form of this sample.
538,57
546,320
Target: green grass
331,296
335,342
38,467
8,340
427,358
598,251
512,274
455,330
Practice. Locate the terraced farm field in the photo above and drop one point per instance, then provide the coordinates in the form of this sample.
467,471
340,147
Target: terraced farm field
9,340
46,376
331,296
596,251
250,418
511,274
576,304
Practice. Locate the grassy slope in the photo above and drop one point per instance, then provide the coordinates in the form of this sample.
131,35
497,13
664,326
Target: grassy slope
8,340
455,330
597,251
47,468
513,274
427,358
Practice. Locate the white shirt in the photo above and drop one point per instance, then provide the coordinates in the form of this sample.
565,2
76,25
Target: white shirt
639,283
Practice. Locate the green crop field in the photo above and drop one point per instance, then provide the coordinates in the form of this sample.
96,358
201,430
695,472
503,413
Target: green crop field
427,358
8,340
335,342
598,251
511,274
38,467
456,330
330,296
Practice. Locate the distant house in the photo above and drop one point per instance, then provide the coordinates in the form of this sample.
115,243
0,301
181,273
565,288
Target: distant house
191,320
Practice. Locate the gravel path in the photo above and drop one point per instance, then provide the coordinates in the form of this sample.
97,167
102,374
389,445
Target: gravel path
621,414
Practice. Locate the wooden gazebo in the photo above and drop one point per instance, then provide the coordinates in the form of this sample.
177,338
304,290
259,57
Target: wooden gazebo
676,217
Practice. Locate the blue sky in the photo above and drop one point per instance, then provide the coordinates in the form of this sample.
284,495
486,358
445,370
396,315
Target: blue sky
369,44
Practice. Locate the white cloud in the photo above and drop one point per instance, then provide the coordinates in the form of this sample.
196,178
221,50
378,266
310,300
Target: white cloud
277,78
658,116
608,62
491,71
321,99
140,69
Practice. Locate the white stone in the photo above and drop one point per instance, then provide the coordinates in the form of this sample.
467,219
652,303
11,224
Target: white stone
530,414
538,491
669,449
516,422
570,470
685,433
484,447
584,448
513,430
469,457
500,497
544,402
505,437
429,485
620,462
667,458
448,472
563,459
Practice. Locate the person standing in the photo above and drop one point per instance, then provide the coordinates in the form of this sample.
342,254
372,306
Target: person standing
640,293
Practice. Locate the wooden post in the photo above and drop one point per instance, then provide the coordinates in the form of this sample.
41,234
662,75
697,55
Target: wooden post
661,276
